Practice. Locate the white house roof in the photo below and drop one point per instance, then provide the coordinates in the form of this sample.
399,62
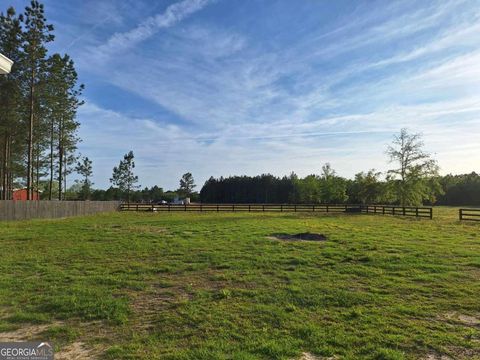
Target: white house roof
5,64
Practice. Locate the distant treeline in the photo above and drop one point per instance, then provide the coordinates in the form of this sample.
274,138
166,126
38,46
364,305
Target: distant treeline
413,180
146,195
460,189
330,188
364,188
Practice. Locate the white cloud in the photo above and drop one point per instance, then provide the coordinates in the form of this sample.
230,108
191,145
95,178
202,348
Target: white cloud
164,152
120,42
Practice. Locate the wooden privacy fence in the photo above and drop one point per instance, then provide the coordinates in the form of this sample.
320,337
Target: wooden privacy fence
424,212
45,209
469,214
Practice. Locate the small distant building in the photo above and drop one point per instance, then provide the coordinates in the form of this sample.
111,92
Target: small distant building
178,201
21,195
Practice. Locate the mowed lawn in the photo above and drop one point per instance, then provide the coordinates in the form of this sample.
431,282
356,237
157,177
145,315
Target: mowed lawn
217,286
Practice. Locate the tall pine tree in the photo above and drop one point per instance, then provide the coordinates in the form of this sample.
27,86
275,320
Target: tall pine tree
63,94
11,145
36,35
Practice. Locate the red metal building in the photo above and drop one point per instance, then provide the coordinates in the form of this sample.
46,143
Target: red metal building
21,195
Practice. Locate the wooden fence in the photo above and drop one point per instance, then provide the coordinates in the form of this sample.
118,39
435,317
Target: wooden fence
469,214
24,210
242,207
421,212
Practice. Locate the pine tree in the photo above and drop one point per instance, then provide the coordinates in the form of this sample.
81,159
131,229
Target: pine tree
36,35
187,184
10,101
84,169
123,176
63,94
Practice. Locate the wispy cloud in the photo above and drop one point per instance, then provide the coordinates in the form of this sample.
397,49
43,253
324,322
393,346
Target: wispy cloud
120,42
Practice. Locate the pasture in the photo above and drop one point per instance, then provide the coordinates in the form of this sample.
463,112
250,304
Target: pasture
220,286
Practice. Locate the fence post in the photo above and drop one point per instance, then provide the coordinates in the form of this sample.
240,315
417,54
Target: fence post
431,213
185,205
201,207
383,210
327,208
416,211
393,210
249,207
460,214
263,208
281,208
168,207
218,208
233,207
403,213
295,207
137,207
313,208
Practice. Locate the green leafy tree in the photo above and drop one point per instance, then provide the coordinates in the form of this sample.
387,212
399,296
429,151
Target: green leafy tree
123,176
308,189
84,169
368,188
187,184
414,177
333,188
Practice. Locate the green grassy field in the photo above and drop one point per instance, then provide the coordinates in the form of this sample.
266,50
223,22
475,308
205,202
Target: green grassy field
217,286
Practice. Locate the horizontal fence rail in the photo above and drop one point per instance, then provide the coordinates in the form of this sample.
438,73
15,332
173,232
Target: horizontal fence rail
420,212
50,209
243,207
469,214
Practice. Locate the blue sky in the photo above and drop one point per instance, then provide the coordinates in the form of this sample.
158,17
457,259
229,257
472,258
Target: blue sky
230,87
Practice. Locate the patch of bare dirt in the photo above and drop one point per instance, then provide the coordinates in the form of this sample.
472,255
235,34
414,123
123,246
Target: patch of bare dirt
455,353
463,319
462,353
147,304
437,357
25,333
308,356
77,351
307,236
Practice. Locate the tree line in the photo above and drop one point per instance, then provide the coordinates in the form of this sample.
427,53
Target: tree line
366,188
39,100
413,180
